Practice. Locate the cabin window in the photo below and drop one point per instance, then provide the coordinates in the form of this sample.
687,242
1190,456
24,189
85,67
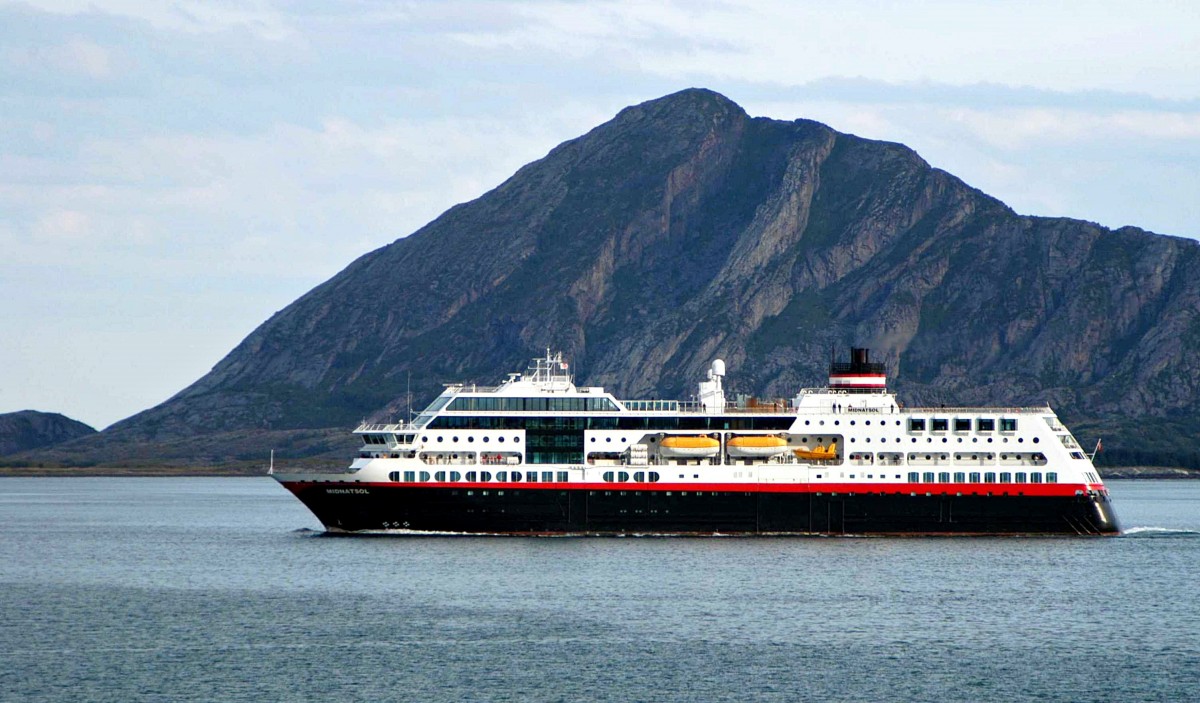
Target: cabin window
989,477
1051,477
960,477
410,476
485,475
639,476
939,424
1005,477
913,477
653,476
985,424
472,476
622,476
424,475
944,477
394,476
608,476
1008,424
974,477
1035,477
916,424
962,424
928,477
439,476
562,476
1021,477
501,475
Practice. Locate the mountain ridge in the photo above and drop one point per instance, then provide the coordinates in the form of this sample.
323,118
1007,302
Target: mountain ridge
682,230
32,429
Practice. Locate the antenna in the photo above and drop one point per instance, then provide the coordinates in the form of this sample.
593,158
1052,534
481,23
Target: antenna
271,467
409,396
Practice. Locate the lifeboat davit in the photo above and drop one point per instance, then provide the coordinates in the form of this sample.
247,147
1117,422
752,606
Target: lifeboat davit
819,453
689,446
756,445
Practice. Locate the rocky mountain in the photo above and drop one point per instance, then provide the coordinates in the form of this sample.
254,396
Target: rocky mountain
684,230
30,429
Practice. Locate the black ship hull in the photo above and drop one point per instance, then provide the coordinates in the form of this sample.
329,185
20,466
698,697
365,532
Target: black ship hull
354,507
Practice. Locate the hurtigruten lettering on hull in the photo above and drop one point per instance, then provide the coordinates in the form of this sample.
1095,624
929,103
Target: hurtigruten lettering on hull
539,455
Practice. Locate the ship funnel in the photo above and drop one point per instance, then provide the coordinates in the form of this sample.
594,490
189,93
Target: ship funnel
858,376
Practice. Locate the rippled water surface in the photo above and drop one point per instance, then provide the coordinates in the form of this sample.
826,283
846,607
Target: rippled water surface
170,589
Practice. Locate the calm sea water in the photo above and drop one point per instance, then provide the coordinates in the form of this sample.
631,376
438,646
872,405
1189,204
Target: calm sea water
182,589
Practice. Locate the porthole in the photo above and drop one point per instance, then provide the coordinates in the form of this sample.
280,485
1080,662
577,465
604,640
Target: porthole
454,439
1035,440
852,422
608,439
501,439
868,422
424,439
593,440
439,438
470,438
837,422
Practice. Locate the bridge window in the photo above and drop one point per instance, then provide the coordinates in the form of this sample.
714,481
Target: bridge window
1008,424
916,424
962,424
939,424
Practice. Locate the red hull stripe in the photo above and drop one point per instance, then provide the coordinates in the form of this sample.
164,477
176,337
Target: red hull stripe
966,489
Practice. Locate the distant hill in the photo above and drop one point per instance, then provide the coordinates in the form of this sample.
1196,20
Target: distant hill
684,230
30,429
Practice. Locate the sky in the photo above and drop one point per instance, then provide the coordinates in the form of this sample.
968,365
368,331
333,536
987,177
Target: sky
173,173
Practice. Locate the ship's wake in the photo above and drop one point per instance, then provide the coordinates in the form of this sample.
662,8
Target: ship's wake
1160,532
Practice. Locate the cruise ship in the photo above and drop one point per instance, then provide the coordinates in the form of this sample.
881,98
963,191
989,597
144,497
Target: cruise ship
539,455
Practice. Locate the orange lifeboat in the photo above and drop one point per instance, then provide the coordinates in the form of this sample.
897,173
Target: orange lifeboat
756,445
819,453
689,446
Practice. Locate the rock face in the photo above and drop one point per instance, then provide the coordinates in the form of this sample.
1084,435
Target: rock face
30,429
684,230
